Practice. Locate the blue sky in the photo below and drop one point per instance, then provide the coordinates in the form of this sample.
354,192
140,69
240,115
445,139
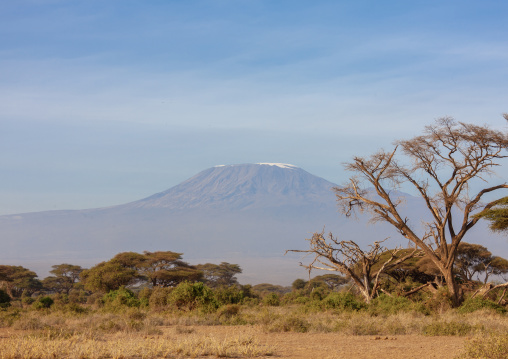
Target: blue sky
105,102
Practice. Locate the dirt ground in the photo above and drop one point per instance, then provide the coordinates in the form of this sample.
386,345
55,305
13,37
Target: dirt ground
336,346
326,345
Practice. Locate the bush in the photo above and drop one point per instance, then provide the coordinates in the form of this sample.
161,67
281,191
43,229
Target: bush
120,297
228,295
159,298
494,346
78,296
27,300
43,303
228,311
318,293
290,324
144,296
440,301
295,297
342,301
189,296
5,300
250,302
95,299
473,304
448,328
385,304
75,308
272,299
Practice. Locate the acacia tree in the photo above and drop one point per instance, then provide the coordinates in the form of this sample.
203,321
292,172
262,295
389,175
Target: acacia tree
349,259
160,269
166,269
107,276
442,163
16,279
64,278
217,275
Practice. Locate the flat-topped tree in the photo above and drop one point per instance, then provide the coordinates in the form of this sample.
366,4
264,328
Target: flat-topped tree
16,279
217,275
166,269
440,165
64,278
159,269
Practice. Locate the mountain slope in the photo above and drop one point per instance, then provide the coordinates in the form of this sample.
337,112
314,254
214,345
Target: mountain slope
237,187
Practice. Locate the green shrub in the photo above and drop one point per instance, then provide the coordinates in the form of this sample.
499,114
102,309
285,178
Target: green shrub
159,298
386,305
473,304
9,316
250,302
120,297
95,299
189,296
272,299
318,293
144,296
78,296
301,300
27,300
43,303
342,301
228,295
60,299
494,346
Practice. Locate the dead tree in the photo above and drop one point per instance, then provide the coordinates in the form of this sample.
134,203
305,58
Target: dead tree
440,164
349,259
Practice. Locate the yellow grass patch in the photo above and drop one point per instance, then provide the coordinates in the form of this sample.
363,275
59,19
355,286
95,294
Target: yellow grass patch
125,346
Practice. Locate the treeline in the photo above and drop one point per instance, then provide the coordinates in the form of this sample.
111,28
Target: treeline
162,280
162,269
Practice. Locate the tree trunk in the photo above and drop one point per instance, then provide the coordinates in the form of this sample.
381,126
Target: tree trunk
453,288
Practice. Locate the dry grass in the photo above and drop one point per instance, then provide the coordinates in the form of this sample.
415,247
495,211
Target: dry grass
129,346
362,323
271,319
494,346
135,333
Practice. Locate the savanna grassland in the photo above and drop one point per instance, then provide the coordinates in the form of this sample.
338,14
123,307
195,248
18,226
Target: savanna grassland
194,321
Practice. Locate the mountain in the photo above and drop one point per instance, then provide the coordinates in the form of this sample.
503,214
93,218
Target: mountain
242,187
248,214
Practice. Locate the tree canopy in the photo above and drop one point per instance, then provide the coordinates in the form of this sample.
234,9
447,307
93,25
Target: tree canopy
64,278
217,275
16,279
159,269
497,215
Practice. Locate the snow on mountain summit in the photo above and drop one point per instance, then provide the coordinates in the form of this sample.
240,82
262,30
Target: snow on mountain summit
243,185
280,165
